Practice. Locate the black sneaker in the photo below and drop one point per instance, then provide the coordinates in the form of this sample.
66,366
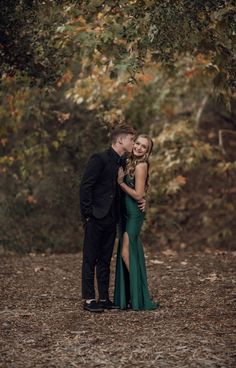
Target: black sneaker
93,306
107,304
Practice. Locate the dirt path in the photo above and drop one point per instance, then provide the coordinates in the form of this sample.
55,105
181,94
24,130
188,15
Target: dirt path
42,323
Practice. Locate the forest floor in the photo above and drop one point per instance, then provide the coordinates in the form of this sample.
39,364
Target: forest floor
42,322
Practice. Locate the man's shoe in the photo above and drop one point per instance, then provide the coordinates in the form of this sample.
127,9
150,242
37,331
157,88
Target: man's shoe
107,304
93,306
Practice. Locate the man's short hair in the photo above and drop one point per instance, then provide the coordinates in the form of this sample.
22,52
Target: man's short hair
121,129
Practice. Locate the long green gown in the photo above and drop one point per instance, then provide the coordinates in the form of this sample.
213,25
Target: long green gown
131,286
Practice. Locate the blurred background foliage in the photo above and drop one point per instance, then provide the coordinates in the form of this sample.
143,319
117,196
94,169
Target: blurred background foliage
71,69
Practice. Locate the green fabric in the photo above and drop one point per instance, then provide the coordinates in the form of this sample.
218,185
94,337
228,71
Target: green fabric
132,286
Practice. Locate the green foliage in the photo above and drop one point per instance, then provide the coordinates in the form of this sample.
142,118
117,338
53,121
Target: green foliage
178,153
127,34
29,42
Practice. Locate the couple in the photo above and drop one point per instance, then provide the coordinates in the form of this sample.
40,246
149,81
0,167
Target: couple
113,189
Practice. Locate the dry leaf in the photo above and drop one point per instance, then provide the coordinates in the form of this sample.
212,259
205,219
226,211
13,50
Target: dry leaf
31,200
155,261
212,277
169,252
38,268
181,180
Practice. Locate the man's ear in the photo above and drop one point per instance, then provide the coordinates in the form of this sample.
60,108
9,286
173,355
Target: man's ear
120,139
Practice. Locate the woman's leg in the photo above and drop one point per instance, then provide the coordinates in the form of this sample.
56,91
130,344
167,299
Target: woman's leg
125,250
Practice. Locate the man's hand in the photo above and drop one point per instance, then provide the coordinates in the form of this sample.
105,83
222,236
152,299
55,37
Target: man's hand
142,204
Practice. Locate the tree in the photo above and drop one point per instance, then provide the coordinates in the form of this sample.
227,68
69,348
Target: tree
128,34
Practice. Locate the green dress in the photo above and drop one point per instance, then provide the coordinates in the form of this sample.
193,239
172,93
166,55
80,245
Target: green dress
131,286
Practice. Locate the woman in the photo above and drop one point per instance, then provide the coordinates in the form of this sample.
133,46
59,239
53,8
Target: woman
131,289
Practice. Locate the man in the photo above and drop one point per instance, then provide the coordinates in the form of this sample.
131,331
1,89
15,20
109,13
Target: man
99,205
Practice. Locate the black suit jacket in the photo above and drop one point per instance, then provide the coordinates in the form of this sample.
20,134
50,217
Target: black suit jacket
99,189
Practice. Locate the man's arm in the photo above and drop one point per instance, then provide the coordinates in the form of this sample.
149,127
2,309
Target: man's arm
142,204
89,179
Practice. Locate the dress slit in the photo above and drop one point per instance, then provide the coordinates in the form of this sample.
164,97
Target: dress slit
131,286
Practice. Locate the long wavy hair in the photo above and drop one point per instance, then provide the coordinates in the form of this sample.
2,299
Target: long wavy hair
132,161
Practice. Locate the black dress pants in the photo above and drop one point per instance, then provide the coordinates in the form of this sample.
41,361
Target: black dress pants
99,241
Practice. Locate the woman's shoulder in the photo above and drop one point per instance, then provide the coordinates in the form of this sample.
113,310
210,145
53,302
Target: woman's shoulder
141,169
143,165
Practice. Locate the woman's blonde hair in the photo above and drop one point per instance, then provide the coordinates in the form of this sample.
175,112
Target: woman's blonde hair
133,161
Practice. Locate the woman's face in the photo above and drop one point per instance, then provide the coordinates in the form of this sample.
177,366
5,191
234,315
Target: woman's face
140,147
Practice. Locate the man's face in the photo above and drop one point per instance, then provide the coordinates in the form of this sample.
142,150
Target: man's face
127,142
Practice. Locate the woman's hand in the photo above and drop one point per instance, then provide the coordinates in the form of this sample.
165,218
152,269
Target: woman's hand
121,175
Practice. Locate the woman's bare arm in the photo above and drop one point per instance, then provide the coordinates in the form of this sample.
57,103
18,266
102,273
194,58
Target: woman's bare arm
140,182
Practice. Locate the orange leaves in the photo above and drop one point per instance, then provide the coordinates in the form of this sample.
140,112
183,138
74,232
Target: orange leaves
113,115
3,141
168,111
175,184
181,180
175,133
62,116
120,41
203,59
79,25
31,200
146,78
10,101
190,73
81,29
5,163
66,78
15,104
197,65
7,160
99,89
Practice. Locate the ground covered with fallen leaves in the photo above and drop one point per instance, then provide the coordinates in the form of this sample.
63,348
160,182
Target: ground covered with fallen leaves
42,322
